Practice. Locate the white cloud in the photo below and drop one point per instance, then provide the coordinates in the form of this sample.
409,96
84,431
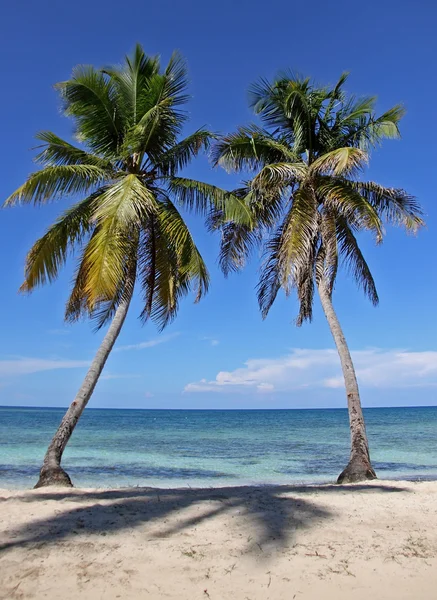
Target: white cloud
24,365
149,395
203,386
147,344
321,368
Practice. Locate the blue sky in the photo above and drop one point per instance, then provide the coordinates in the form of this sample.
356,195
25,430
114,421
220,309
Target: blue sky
220,353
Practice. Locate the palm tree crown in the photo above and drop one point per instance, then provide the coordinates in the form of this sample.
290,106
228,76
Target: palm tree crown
306,194
126,227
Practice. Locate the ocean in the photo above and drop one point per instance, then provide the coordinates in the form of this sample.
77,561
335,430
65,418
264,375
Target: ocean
200,448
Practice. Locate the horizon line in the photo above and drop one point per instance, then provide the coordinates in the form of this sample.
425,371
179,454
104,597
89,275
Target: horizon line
8,406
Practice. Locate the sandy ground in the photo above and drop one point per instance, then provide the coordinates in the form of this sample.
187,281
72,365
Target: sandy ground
373,541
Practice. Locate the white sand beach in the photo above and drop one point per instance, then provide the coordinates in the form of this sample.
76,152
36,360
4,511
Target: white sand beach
377,540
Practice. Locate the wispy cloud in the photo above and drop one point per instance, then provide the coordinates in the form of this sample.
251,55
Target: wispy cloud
321,368
148,344
211,340
24,365
149,395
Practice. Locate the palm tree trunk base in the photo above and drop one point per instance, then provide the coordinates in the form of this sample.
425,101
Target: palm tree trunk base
357,471
55,476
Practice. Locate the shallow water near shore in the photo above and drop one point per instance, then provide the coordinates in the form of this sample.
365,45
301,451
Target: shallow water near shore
200,448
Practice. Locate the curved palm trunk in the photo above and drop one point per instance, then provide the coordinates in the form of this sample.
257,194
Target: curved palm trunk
359,467
51,471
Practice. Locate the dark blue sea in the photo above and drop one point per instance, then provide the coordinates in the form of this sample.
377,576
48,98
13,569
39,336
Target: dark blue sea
171,448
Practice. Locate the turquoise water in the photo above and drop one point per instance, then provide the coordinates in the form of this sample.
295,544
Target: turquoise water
171,448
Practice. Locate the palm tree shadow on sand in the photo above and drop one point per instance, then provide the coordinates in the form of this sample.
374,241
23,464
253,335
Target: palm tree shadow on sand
269,515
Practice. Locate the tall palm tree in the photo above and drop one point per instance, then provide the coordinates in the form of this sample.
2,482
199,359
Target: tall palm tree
126,229
309,203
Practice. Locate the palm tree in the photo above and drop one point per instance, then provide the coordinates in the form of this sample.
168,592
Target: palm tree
126,229
309,203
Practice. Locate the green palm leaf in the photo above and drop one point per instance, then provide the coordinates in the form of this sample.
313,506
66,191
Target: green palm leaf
58,152
132,85
354,260
53,183
250,148
280,175
300,232
180,155
128,202
202,198
122,210
49,254
90,98
190,262
341,161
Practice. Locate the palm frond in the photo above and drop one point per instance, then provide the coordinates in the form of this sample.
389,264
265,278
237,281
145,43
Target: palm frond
161,282
237,243
334,98
279,175
305,291
104,263
90,97
340,197
202,198
77,304
122,210
128,202
180,155
345,162
250,148
396,206
271,277
49,254
329,248
131,82
190,262
369,131
157,130
161,121
53,183
176,74
354,260
353,110
58,152
300,231
104,311
290,252
387,125
272,101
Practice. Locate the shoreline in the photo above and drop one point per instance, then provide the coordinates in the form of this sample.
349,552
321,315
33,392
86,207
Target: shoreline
259,542
228,483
